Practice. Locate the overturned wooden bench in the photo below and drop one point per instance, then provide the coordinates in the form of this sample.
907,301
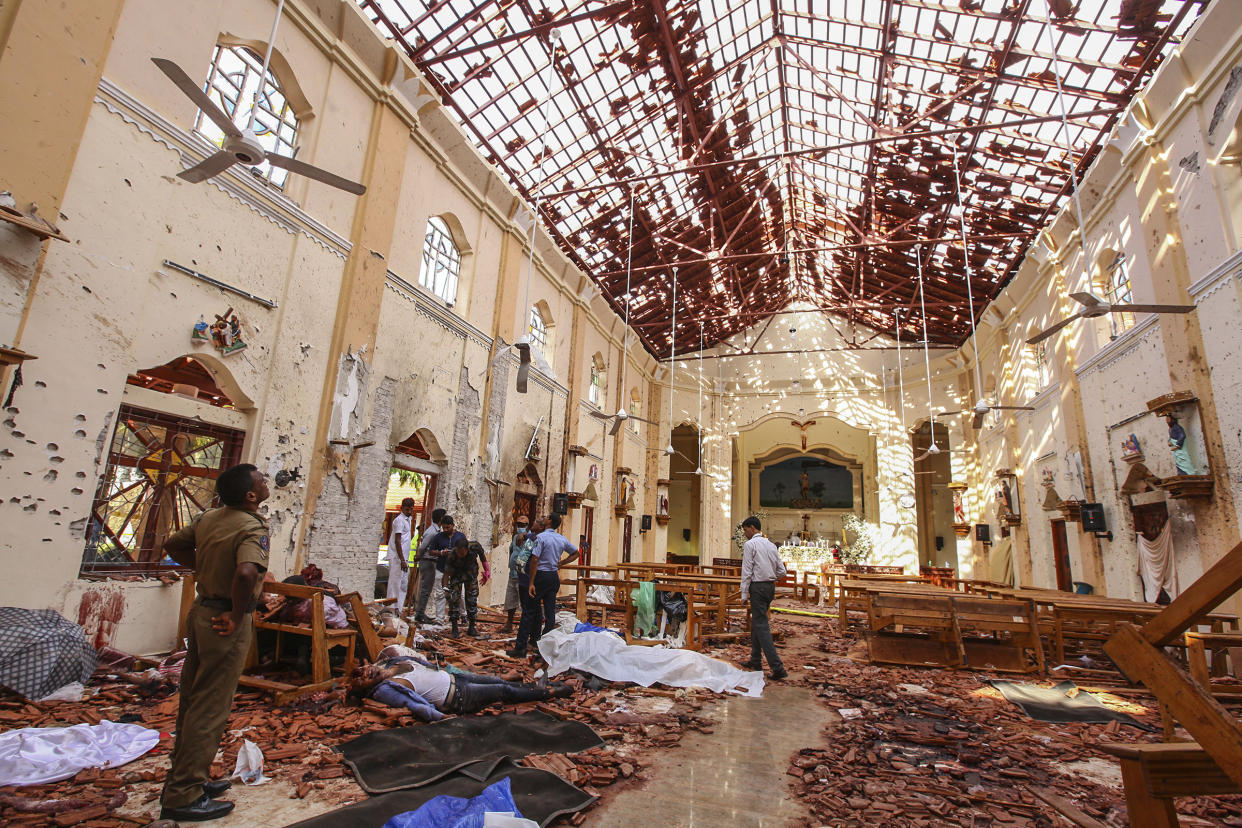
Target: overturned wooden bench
1156,773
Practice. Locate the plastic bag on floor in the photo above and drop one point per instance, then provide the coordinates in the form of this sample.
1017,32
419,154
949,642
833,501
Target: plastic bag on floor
644,608
40,755
250,764
493,819
456,812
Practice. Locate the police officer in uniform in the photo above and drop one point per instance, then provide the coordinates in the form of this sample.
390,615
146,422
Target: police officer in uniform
228,548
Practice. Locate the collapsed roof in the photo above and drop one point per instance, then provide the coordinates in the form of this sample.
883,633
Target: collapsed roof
782,151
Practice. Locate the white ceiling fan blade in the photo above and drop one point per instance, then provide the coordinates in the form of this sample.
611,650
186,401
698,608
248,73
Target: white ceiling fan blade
213,164
1090,300
1150,308
195,93
641,419
616,427
1013,408
948,413
302,168
1047,332
599,415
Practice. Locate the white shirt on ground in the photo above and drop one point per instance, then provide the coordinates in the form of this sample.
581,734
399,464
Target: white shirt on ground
760,562
432,685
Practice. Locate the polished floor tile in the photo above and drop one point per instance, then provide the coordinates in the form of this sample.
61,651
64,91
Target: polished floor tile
732,776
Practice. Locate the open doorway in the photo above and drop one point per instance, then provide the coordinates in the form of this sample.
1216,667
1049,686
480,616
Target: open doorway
684,497
933,500
408,477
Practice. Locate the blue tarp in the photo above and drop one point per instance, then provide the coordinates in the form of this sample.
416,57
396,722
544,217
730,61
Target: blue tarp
582,626
456,812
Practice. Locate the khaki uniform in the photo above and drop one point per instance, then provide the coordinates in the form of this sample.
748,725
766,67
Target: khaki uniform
216,542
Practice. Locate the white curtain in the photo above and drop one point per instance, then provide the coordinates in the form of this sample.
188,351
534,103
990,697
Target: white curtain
1156,564
1000,562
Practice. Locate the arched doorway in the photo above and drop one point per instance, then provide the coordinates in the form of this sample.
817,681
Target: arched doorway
685,498
527,493
933,500
176,430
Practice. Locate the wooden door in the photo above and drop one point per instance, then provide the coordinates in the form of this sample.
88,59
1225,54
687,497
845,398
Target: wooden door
1060,556
627,537
523,507
588,531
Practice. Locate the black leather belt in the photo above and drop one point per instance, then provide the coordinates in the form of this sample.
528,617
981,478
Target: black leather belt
225,604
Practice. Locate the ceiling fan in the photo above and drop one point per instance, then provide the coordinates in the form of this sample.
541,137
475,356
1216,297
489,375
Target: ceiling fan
618,419
1094,306
241,146
981,410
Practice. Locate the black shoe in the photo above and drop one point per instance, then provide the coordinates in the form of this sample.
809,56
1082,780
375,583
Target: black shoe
215,787
473,631
749,665
200,810
777,675
560,690
421,619
516,653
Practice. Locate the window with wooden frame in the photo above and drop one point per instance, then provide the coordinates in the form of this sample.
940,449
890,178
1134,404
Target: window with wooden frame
1117,292
441,261
235,75
538,329
161,472
595,391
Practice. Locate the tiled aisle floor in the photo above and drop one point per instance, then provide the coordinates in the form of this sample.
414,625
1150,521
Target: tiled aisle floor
734,776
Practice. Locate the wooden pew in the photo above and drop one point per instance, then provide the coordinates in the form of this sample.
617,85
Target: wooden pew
694,621
918,629
1138,652
1153,774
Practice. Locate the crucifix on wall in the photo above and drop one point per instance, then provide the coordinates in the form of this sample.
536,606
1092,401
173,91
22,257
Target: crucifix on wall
806,527
803,426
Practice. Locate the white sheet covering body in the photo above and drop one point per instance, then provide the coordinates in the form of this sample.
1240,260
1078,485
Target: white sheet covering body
39,755
609,657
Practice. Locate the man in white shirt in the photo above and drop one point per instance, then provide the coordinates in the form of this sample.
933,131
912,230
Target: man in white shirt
398,553
761,569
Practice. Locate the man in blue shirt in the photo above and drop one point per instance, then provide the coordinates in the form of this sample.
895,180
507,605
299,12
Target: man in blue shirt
441,547
550,550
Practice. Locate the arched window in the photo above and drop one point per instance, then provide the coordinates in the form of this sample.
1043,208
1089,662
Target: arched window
1115,276
538,329
636,402
1043,371
236,74
595,391
441,261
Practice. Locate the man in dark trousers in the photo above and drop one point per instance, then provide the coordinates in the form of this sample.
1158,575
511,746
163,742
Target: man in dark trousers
551,548
227,547
761,569
427,566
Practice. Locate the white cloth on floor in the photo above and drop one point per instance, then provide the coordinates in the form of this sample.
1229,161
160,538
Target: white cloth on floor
39,755
1156,564
609,657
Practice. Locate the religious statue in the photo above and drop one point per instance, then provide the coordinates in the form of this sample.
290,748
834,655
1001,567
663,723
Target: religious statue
200,333
1004,497
1130,447
803,426
1177,444
663,505
805,483
959,511
226,333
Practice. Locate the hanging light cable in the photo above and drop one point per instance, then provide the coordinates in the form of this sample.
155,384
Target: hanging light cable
622,414
672,367
961,208
523,341
699,469
932,448
1082,227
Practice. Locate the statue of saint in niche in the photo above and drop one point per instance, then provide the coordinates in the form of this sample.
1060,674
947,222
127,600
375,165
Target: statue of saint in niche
1177,444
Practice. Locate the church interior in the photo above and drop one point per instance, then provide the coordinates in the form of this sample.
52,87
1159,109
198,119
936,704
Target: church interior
939,291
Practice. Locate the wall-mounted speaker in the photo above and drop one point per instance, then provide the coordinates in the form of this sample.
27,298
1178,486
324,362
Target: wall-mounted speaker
983,533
